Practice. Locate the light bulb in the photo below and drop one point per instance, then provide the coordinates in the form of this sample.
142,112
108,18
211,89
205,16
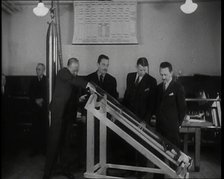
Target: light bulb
40,10
188,7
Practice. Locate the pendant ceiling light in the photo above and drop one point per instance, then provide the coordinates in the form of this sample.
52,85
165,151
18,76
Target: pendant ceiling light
188,7
40,10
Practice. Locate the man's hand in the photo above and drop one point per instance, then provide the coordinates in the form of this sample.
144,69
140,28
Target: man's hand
142,125
91,87
82,98
113,119
82,119
39,101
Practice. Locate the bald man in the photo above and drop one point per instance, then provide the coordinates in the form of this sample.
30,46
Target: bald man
65,81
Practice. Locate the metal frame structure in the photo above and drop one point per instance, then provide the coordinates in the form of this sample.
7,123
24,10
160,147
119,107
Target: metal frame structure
54,61
145,140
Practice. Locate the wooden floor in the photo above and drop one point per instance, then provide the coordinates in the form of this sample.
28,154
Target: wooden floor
17,164
20,165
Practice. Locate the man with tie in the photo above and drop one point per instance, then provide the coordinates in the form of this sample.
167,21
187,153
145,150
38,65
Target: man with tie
104,80
170,106
139,95
66,79
108,83
139,98
38,97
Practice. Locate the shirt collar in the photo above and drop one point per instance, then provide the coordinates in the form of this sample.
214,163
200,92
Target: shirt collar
40,77
140,77
168,83
98,74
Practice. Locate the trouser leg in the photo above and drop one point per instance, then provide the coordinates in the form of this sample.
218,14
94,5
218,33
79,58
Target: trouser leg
66,151
54,137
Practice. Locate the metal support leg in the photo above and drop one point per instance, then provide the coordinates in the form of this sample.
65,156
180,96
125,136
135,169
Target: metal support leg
103,146
185,143
197,149
90,143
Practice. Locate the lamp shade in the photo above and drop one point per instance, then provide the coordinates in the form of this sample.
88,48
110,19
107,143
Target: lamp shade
40,10
188,7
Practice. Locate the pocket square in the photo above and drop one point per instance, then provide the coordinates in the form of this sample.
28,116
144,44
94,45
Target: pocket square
171,94
147,89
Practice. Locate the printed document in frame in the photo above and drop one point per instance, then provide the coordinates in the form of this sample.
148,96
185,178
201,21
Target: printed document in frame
105,22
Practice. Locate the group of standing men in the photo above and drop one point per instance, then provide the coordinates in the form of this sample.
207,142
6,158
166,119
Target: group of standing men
142,96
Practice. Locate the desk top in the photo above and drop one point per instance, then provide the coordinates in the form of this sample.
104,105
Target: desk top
197,123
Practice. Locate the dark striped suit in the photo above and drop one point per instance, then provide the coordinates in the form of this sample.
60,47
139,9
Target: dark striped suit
65,82
170,111
140,99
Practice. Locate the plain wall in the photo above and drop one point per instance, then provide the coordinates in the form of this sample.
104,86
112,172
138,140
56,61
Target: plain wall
192,43
5,41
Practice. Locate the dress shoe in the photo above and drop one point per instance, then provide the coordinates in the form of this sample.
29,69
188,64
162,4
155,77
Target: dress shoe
46,177
67,174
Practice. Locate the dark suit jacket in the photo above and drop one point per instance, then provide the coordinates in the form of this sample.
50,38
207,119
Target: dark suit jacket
65,82
140,99
170,110
109,83
60,103
38,89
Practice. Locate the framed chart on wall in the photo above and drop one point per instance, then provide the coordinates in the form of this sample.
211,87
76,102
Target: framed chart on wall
105,22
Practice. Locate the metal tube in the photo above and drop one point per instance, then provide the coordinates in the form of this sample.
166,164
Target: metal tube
58,25
53,58
50,60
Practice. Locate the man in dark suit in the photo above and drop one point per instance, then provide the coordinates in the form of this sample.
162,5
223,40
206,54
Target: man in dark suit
139,95
170,106
108,83
139,98
100,77
38,97
65,80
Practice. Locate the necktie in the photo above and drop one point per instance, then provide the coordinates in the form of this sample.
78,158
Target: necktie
137,81
101,79
164,86
39,78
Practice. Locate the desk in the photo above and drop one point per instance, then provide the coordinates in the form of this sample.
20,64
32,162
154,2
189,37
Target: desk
194,127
